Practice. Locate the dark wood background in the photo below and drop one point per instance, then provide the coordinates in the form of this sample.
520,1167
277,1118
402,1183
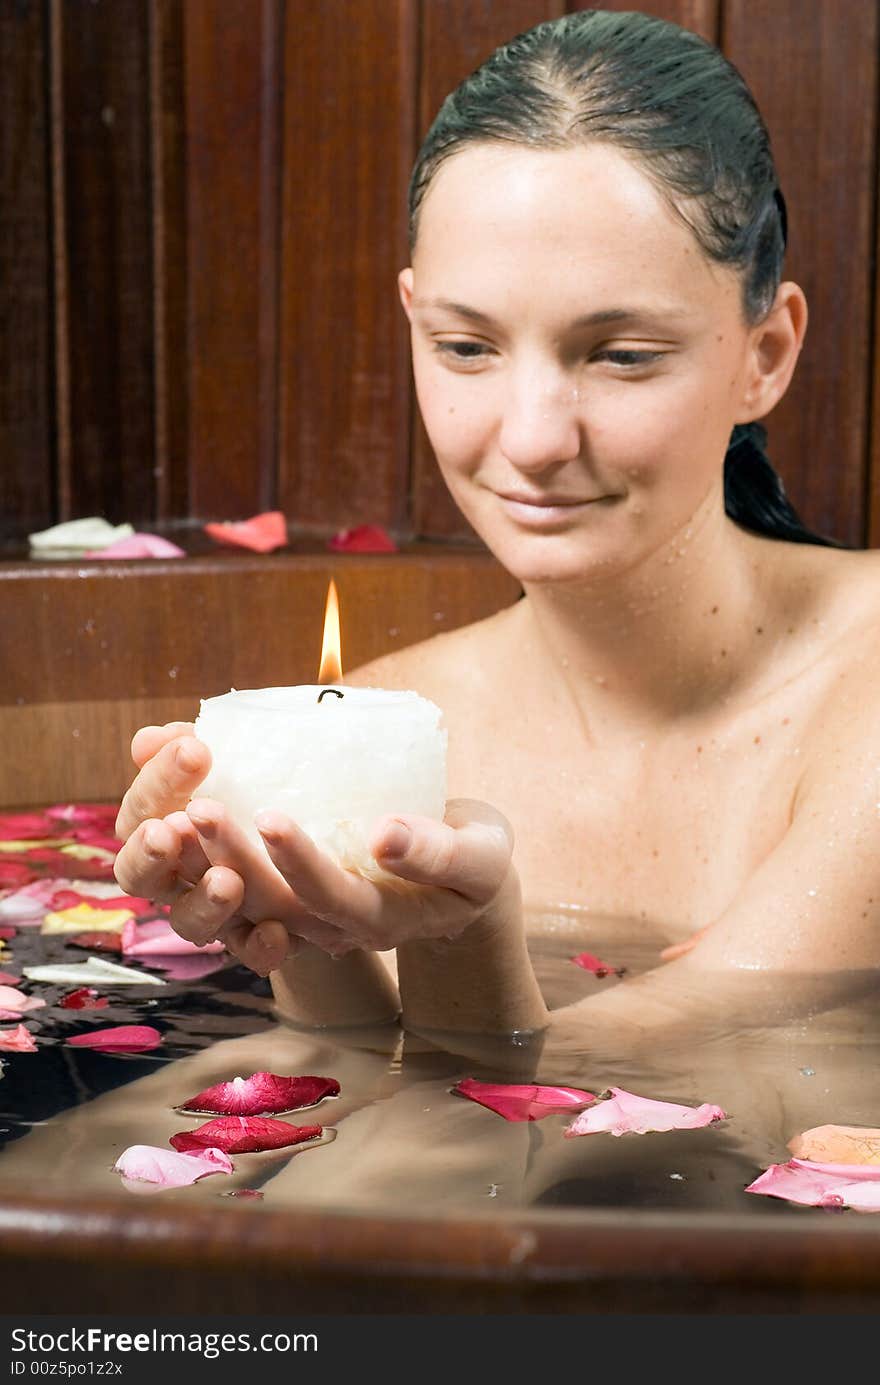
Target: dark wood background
203,217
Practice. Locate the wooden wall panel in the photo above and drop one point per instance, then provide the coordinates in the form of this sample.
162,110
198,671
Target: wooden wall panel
813,68
90,678
456,36
349,93
231,50
26,491
103,213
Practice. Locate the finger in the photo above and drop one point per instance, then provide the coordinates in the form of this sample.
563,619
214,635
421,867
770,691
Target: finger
263,946
200,913
149,739
267,894
470,852
147,864
192,861
323,888
165,784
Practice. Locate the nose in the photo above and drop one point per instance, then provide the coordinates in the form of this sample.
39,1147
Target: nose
540,425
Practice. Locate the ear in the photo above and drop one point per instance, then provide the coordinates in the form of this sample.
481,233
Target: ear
773,351
405,289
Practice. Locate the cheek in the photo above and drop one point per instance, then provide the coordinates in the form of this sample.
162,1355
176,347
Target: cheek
454,416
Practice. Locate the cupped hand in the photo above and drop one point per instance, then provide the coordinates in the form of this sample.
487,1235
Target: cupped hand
438,878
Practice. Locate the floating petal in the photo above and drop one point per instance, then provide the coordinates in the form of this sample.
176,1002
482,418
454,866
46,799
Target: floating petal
14,1002
12,875
7,979
623,1112
262,1094
838,1144
133,904
523,1103
96,942
22,826
83,918
363,538
159,938
96,971
86,998
596,965
822,1185
262,533
17,1040
121,1038
167,1169
245,1134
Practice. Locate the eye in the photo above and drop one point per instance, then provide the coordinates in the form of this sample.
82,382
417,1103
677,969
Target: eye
629,360
462,354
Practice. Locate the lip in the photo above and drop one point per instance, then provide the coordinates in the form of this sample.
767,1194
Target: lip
545,512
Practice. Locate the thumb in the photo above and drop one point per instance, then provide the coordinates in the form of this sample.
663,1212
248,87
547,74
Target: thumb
470,852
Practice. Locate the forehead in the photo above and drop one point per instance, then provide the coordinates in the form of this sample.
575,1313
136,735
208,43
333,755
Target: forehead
509,220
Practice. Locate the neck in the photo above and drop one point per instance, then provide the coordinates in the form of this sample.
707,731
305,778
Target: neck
640,648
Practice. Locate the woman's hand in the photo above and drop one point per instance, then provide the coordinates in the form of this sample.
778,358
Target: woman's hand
438,879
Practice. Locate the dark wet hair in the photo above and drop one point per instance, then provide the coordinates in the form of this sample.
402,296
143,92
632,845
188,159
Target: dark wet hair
684,114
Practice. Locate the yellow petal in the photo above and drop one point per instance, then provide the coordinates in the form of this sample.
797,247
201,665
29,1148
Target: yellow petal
83,918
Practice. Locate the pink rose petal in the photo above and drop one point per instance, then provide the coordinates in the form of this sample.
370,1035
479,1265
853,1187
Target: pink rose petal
120,1038
7,979
262,1094
262,533
363,538
158,938
17,1040
7,932
624,1112
188,968
822,1185
523,1103
14,1002
168,1169
244,1134
138,546
84,815
243,1192
594,964
85,998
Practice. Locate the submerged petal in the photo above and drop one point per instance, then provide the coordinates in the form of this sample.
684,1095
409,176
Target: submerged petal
625,1112
168,1169
516,1102
245,1134
120,1038
261,1094
596,965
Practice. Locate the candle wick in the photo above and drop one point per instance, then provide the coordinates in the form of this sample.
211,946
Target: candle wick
325,691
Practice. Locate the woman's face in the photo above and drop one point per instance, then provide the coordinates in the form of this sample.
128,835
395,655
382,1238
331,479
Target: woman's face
579,362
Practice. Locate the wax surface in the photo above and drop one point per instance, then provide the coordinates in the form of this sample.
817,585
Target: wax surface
333,766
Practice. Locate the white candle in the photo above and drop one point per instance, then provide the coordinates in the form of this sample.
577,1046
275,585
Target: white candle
333,765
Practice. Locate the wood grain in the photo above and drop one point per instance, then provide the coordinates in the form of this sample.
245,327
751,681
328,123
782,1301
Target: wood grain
345,407
25,319
813,69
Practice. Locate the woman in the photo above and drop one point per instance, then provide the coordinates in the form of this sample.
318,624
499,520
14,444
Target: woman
677,724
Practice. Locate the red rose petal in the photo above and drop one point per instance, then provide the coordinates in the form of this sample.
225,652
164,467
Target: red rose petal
597,967
20,827
364,538
243,1192
84,815
262,1094
244,1135
523,1103
122,1038
96,942
262,533
69,899
86,998
7,932
13,874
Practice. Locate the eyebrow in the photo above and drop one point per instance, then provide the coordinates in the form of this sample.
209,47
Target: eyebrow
600,317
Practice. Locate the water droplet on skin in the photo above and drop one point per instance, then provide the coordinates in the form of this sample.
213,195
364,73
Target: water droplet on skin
493,1190
679,1177
808,1072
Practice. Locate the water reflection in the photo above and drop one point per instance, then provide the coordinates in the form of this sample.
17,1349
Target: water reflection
405,1144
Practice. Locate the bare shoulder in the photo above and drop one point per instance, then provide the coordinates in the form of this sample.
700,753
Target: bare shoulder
441,667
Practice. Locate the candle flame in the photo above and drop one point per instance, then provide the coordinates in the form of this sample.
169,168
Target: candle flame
330,669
